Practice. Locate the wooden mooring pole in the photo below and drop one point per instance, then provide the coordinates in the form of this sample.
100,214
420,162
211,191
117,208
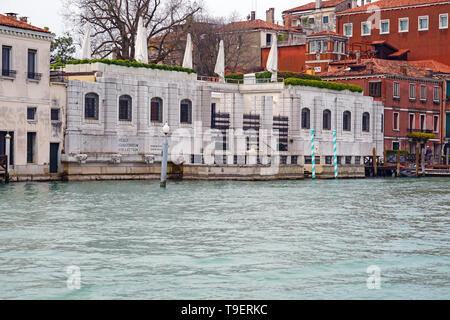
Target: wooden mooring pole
398,163
375,169
417,159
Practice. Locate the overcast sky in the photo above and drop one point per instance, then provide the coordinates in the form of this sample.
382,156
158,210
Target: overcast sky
47,13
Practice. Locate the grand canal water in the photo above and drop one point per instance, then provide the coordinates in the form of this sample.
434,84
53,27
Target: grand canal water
226,240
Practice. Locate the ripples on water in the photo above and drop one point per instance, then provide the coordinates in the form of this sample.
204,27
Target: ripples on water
226,240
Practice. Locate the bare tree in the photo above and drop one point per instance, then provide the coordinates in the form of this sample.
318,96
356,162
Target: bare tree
114,22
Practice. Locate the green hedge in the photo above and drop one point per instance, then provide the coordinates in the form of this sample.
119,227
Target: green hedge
268,75
323,84
390,152
134,64
421,136
235,76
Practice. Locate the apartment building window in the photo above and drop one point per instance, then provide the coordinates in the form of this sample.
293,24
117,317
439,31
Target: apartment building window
186,111
6,62
311,21
32,65
436,124
396,121
347,121
396,90
348,29
423,23
422,122
326,120
436,95
412,91
365,28
312,47
306,118
268,39
423,93
156,110
375,89
325,19
125,108
366,122
31,113
384,26
411,121
403,25
443,21
54,115
91,101
31,146
395,145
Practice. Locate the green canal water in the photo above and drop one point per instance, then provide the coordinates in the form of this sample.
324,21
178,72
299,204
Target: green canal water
226,240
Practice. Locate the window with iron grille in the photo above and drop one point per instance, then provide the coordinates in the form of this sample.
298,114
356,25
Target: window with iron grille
91,101
125,108
347,121
326,120
308,160
328,160
186,111
306,113
366,122
156,110
348,160
375,89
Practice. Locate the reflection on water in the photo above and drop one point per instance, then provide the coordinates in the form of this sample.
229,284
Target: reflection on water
226,240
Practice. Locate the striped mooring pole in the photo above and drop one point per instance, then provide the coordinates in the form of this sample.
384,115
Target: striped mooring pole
335,154
313,156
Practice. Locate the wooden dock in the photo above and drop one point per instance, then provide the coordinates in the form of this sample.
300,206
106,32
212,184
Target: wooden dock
4,177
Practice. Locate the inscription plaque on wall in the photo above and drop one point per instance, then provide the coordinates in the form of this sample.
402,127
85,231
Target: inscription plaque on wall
128,145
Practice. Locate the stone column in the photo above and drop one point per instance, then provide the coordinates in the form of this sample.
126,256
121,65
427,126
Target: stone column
172,112
236,125
266,146
75,105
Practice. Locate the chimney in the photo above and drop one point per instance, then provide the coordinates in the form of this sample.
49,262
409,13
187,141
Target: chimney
11,15
253,15
429,73
404,70
270,15
24,19
318,4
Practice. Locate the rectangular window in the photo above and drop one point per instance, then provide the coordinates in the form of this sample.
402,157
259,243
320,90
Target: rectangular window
348,29
365,28
325,19
423,23
268,39
32,64
423,93
443,21
395,145
436,94
412,91
436,123
328,159
422,122
311,21
396,121
54,116
6,61
312,47
348,160
411,121
31,146
375,89
384,26
31,113
396,90
324,46
403,25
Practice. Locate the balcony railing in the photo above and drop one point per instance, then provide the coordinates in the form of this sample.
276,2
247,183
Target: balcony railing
9,73
34,76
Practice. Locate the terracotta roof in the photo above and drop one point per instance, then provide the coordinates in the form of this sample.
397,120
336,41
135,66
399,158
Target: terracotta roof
399,53
312,5
255,25
11,22
388,4
379,66
431,64
326,33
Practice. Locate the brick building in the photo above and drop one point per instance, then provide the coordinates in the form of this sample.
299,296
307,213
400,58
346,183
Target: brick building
412,97
418,26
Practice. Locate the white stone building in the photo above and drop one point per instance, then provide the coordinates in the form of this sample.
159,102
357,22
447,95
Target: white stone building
115,115
31,108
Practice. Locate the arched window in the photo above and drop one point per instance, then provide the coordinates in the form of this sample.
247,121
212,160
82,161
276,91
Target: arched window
156,110
91,106
347,121
366,122
125,108
306,123
326,119
186,111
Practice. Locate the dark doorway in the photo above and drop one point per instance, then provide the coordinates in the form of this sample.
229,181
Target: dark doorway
54,150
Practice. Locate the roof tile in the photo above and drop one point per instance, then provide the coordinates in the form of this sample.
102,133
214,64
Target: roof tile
14,23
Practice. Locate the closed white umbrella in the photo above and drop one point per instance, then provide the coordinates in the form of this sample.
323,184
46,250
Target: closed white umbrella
187,61
272,60
86,46
141,48
220,64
